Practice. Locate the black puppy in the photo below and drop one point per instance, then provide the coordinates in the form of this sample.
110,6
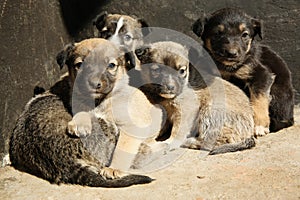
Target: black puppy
228,35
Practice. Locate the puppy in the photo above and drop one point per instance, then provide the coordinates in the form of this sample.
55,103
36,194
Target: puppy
40,144
210,116
229,36
137,120
123,30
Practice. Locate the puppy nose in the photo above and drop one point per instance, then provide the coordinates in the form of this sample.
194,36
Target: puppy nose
96,84
231,53
171,87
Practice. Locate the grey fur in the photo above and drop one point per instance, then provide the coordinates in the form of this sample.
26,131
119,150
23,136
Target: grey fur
40,144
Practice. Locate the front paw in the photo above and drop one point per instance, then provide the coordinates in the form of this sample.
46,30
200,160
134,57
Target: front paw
261,130
81,125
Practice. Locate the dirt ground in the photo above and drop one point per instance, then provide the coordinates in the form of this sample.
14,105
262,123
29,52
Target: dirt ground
269,171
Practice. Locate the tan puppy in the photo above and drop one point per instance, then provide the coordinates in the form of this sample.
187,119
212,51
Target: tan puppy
39,144
118,103
211,116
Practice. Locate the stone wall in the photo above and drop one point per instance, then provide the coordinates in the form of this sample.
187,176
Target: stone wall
32,32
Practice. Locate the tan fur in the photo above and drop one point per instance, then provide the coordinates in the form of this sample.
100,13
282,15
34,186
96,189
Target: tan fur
43,123
242,27
135,117
82,120
260,106
220,113
208,44
243,72
221,27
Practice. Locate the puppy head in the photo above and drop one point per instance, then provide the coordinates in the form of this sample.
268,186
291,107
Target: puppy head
164,67
123,30
96,64
228,35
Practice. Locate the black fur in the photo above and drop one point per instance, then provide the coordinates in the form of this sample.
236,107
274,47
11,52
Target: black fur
263,61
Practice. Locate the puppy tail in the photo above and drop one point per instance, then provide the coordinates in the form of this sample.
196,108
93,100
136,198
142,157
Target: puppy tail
246,144
89,178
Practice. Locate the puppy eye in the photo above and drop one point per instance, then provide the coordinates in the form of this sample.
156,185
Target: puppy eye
245,34
127,37
78,65
155,71
182,71
112,66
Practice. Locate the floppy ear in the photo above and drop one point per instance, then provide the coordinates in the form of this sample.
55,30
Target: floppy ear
257,27
142,51
99,21
63,55
130,60
144,26
198,27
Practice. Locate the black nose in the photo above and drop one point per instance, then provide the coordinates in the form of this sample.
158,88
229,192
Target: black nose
171,87
231,53
96,84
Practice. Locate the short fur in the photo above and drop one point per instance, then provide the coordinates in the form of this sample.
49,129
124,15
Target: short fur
229,36
118,103
211,116
130,34
40,144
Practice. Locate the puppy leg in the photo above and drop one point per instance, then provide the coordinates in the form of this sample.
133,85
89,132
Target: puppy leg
125,151
260,105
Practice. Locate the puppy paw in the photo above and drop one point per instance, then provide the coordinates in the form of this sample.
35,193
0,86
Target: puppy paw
110,173
81,125
261,131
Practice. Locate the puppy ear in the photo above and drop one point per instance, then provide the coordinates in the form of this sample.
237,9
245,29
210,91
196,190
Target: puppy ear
144,26
141,52
130,60
198,27
63,55
99,21
143,23
257,27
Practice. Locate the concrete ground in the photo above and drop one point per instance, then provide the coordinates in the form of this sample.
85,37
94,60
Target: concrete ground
271,170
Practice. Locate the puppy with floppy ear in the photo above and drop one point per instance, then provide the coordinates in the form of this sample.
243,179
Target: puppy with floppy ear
137,120
209,117
40,145
229,36
123,30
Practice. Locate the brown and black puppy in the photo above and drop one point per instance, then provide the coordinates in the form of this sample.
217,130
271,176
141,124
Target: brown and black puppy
40,143
210,117
229,36
123,30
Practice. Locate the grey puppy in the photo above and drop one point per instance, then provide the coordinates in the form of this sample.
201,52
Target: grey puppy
211,116
41,145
